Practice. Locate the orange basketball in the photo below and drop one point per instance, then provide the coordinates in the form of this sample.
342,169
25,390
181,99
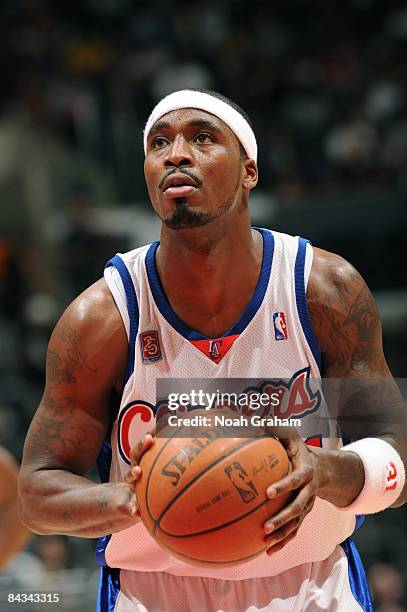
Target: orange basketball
204,499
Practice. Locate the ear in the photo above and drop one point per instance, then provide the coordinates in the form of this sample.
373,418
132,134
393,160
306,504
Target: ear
251,175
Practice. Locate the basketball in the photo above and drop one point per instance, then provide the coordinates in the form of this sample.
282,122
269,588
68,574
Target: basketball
204,499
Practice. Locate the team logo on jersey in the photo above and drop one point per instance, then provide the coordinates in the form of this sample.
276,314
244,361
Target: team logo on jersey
135,420
214,347
297,398
280,326
150,346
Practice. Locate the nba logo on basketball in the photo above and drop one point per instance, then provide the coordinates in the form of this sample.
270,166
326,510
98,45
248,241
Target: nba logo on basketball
150,346
280,326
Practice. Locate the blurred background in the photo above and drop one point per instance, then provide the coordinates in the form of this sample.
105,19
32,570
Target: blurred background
325,85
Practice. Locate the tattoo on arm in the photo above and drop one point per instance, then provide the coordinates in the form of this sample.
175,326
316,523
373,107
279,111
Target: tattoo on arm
346,320
57,433
62,369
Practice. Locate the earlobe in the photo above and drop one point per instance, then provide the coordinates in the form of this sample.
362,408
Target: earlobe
251,175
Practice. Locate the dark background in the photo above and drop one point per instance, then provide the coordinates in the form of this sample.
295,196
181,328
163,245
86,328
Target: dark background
324,83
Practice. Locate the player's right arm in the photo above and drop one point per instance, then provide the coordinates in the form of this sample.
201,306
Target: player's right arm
86,361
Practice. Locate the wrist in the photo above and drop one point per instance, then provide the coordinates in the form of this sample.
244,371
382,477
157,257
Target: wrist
124,499
384,475
341,476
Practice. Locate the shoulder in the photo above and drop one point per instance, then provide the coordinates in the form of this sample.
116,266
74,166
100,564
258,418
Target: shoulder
334,282
90,330
93,310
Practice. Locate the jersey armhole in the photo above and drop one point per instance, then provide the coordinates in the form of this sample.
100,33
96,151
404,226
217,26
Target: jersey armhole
127,304
114,282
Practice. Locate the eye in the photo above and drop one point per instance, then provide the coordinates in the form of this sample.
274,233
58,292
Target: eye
203,138
159,142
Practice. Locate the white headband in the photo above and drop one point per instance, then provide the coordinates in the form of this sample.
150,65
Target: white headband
196,99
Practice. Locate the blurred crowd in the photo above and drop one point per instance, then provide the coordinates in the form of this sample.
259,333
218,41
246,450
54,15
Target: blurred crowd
324,82
325,86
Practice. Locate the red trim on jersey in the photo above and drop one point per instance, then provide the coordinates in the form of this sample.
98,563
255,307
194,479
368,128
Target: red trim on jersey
216,348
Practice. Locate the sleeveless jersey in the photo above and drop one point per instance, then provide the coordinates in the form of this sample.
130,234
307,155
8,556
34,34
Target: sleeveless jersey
273,339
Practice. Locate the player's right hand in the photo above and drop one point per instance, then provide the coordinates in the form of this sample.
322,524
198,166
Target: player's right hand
134,472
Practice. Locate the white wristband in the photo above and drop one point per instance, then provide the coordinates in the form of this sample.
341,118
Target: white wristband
384,476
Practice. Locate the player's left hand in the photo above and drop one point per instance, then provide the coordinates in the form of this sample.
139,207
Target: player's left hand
304,479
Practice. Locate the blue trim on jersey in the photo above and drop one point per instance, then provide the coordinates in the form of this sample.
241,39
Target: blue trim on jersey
182,328
301,299
357,577
132,308
109,589
103,463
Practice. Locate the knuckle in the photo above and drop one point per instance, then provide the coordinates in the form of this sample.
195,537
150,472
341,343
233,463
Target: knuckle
297,508
277,523
296,480
308,472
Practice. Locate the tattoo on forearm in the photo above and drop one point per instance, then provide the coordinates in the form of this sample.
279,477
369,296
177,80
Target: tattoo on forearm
103,500
67,517
55,431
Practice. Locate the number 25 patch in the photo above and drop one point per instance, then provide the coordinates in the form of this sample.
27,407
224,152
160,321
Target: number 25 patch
150,346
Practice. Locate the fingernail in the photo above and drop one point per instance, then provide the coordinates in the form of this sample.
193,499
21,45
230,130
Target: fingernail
269,527
271,492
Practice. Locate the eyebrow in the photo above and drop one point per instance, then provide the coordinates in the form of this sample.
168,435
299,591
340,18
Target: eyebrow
165,125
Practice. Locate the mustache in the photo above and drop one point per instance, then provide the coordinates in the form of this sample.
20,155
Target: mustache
178,171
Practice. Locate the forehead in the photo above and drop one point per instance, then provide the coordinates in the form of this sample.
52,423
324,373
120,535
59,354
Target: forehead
183,118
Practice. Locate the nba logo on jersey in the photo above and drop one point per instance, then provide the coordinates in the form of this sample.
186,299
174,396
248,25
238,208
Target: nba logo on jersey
150,346
280,326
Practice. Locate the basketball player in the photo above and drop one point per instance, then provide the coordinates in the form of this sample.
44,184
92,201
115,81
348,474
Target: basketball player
215,298
13,534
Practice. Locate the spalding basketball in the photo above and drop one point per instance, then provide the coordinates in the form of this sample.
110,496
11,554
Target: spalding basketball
204,499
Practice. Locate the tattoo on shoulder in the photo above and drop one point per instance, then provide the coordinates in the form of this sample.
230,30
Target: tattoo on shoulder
347,321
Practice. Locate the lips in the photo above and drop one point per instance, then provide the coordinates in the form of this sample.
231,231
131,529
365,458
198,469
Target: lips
178,181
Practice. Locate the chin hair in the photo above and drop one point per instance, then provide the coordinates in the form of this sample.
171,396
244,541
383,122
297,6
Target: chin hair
185,218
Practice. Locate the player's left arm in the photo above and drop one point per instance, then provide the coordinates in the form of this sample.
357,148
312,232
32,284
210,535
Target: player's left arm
347,326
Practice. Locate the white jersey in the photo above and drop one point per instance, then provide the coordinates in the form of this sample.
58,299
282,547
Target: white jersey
273,339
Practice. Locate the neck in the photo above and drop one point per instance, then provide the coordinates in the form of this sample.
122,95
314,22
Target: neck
209,274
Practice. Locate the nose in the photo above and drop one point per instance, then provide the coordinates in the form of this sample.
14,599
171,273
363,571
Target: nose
179,153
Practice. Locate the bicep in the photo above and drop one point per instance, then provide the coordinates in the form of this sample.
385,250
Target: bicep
85,356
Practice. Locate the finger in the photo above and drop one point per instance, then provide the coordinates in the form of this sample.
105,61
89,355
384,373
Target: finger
153,431
291,511
274,549
281,534
134,511
294,480
285,434
133,474
140,448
